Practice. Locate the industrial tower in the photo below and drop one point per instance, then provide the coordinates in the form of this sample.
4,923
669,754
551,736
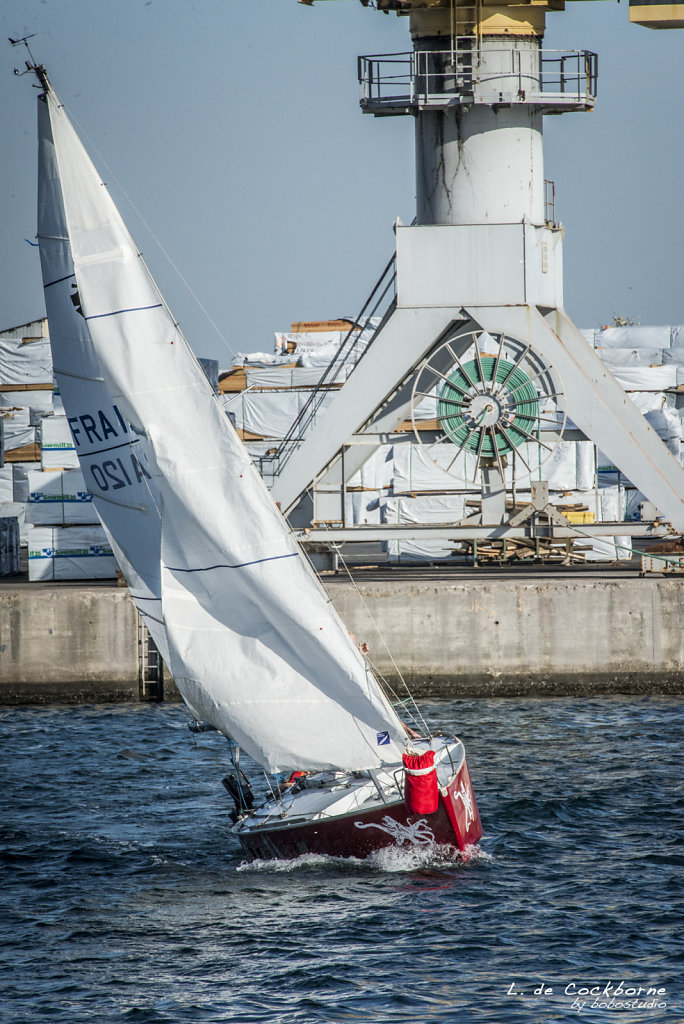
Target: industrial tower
477,323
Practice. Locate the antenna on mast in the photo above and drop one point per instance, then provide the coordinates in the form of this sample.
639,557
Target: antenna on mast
18,42
31,66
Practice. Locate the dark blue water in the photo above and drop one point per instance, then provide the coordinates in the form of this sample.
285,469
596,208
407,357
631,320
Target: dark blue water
125,899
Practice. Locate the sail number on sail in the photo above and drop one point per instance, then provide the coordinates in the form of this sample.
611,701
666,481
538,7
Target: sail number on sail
110,473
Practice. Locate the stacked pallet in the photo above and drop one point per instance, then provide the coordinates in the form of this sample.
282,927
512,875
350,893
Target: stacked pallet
40,483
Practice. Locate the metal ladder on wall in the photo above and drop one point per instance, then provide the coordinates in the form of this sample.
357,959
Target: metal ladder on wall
150,666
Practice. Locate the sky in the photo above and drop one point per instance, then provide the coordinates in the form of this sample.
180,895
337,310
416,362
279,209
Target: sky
230,135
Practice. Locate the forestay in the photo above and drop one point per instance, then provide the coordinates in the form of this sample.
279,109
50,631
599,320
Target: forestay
254,644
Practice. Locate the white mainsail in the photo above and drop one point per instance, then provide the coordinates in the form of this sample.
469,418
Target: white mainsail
254,644
113,460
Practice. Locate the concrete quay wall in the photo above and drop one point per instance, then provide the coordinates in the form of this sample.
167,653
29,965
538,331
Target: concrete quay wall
564,635
73,643
448,637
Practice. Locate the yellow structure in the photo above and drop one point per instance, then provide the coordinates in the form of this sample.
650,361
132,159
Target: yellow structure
496,17
656,15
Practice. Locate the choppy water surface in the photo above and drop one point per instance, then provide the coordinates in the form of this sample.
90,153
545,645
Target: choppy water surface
126,899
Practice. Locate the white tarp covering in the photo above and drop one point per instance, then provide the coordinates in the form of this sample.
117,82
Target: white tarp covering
418,469
634,337
261,359
267,413
363,508
57,449
20,472
677,336
14,509
325,344
435,510
254,644
25,362
59,499
6,484
292,377
633,356
39,403
69,553
18,431
377,471
272,413
646,378
570,465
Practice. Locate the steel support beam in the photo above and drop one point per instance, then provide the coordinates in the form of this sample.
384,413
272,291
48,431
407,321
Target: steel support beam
596,402
456,533
405,339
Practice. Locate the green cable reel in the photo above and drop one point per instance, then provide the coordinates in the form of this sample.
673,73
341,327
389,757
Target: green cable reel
479,411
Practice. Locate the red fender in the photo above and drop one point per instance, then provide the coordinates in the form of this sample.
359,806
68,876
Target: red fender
421,791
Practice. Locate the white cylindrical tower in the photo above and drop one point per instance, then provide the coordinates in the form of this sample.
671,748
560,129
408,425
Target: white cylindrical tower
478,84
479,165
479,158
479,162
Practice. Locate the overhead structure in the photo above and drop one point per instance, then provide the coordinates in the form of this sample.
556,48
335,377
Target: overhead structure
477,321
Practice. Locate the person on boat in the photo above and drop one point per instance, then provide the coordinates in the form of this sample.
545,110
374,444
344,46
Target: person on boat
361,644
290,781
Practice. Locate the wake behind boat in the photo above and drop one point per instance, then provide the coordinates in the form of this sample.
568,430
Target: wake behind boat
252,641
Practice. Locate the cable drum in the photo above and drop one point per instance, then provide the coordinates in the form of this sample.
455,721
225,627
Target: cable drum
493,398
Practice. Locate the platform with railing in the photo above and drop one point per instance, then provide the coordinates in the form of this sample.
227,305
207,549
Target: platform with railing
403,83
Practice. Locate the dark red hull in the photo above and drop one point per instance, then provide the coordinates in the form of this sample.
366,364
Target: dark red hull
456,823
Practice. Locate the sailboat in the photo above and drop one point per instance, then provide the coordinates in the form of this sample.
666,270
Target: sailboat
252,641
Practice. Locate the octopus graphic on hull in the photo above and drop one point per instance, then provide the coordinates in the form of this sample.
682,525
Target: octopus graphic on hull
416,833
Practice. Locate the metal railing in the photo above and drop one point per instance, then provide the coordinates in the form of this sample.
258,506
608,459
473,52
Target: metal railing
381,299
426,78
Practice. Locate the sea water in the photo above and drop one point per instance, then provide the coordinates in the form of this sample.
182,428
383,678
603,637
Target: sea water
126,899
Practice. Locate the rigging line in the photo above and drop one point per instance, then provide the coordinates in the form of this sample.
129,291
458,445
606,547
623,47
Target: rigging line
382,638
277,800
154,236
413,713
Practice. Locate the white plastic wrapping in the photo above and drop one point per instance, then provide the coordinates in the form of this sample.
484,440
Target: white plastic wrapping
59,498
39,403
633,356
272,413
69,553
25,362
6,484
20,471
634,337
57,449
18,431
646,378
432,509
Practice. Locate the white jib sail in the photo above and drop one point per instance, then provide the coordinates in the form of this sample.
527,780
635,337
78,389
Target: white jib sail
254,644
